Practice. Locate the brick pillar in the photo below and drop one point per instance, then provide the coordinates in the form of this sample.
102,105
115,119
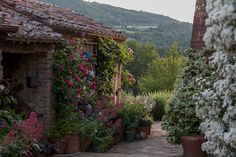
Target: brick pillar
46,95
199,27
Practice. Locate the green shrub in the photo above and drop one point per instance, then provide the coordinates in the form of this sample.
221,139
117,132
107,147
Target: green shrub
87,129
161,99
130,114
180,118
146,121
64,126
102,138
147,101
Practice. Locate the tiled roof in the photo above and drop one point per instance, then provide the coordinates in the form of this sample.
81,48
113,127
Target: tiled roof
42,21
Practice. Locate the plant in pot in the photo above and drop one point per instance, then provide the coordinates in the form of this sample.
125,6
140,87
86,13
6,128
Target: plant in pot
130,131
64,133
144,127
102,139
116,126
87,131
180,120
130,114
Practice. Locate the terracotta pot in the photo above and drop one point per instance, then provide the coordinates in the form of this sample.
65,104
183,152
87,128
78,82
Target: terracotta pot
142,133
149,130
130,135
192,146
73,144
84,143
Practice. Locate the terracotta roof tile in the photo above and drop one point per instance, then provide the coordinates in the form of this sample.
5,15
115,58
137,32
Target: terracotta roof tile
38,20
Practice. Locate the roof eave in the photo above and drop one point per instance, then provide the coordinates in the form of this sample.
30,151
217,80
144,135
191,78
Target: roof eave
8,28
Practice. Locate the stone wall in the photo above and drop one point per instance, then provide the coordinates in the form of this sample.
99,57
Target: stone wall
199,27
20,67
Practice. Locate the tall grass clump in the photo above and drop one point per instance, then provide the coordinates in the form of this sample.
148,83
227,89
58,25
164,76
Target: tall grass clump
161,100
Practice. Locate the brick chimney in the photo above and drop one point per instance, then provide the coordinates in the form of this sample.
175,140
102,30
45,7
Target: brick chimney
199,27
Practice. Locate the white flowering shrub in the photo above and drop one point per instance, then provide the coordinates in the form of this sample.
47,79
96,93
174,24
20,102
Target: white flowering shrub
180,118
216,102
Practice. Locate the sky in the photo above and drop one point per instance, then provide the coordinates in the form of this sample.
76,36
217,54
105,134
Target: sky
182,10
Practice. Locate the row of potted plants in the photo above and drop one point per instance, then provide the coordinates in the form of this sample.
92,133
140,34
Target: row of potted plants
136,122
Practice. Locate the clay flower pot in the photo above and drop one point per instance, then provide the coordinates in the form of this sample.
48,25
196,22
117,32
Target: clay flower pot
73,144
84,143
192,146
142,133
149,130
130,135
61,144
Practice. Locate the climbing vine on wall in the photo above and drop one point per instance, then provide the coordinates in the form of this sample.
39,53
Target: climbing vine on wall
74,83
110,53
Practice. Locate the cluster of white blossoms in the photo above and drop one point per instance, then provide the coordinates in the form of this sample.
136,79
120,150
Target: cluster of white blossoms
217,100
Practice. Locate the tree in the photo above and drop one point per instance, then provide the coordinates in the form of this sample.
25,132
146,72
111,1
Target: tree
162,73
174,51
143,54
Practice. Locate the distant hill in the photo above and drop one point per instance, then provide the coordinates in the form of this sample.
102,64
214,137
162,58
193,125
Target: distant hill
142,26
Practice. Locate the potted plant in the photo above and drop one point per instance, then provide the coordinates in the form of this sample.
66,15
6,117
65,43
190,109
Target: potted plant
87,132
130,114
144,127
180,120
130,131
102,141
59,135
118,131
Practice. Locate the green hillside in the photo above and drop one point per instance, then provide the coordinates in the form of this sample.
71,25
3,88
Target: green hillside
139,25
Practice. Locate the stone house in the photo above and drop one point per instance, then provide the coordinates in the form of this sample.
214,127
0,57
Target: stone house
29,31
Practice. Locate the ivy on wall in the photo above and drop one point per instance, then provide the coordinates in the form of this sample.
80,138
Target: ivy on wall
110,53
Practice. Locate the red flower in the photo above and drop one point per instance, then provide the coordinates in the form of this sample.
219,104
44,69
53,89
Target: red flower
31,127
118,122
69,97
77,78
81,55
81,66
86,71
93,86
74,104
85,59
69,83
10,138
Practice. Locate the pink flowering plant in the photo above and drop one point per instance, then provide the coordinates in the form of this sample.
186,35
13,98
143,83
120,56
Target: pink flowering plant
22,139
73,78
